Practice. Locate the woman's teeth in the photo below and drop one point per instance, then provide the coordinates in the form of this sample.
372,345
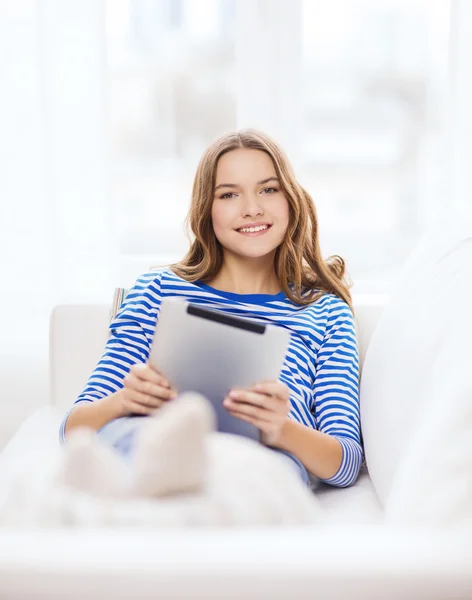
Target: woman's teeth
252,229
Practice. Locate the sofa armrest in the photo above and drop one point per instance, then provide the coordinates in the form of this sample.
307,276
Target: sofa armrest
274,563
77,338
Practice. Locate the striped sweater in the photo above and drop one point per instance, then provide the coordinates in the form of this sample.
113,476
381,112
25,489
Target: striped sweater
321,367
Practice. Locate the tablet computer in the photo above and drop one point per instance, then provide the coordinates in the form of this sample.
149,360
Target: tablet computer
211,352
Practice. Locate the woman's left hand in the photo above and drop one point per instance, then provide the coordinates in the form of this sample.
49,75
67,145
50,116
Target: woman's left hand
266,406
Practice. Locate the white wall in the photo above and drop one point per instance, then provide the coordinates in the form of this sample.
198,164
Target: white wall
25,234
56,227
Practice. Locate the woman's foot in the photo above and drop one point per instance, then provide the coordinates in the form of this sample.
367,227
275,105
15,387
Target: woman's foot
90,466
170,452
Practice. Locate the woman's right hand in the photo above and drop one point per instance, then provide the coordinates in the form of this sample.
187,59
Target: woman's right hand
145,390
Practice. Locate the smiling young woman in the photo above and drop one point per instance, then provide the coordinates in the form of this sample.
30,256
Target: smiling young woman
255,253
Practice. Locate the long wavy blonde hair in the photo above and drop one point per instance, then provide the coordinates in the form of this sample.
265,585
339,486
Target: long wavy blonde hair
301,271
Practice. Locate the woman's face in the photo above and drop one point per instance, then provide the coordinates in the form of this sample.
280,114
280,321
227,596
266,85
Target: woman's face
247,193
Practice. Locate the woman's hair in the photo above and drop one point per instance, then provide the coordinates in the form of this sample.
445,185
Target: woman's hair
297,259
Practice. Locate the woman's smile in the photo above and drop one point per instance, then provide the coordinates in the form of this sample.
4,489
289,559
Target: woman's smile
255,231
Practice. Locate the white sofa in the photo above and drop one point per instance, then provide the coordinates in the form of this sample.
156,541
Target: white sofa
354,554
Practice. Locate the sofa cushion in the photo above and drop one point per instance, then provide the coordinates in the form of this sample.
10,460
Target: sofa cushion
407,355
433,484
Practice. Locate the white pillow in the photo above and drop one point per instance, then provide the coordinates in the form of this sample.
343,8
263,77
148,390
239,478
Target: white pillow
433,484
432,296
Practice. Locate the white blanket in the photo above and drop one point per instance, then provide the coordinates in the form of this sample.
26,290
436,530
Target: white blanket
247,485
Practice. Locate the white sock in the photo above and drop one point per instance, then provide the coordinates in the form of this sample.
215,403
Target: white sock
170,453
89,465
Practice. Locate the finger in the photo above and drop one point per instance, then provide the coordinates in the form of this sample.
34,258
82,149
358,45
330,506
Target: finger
146,400
272,388
256,422
160,375
254,398
137,408
140,409
237,409
152,389
146,372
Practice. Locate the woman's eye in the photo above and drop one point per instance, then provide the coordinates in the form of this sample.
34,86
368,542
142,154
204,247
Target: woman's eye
270,190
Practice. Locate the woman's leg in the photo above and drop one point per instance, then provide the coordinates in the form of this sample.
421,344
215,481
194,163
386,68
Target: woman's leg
121,433
154,455
297,465
100,461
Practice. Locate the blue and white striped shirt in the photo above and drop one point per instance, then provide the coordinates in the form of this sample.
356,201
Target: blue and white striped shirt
321,367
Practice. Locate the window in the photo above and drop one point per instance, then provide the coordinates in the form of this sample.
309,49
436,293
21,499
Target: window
374,99
171,92
355,92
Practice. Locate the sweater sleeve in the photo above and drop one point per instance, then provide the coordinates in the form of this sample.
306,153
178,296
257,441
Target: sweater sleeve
129,342
336,391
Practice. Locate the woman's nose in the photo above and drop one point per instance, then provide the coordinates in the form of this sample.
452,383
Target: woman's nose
252,206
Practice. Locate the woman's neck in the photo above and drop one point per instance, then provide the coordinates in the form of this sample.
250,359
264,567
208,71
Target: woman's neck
246,280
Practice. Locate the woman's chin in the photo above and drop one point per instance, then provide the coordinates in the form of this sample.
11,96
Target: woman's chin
254,253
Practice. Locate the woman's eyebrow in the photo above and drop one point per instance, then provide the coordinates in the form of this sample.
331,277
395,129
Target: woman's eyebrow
235,185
